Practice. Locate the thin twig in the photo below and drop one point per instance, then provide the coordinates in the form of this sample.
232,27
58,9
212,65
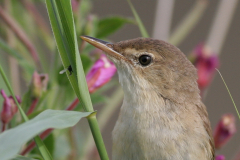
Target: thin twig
41,23
12,24
73,153
33,105
229,94
188,22
36,16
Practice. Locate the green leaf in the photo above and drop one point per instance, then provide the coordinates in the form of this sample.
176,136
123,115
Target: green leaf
61,40
139,22
13,139
61,18
110,25
27,67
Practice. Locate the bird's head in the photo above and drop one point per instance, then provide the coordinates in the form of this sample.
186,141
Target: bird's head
151,65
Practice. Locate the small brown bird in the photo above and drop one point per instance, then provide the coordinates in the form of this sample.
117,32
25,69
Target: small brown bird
162,116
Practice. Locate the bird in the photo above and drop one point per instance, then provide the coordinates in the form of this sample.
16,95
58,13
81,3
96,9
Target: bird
162,116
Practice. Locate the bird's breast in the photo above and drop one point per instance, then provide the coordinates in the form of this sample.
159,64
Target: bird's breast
155,129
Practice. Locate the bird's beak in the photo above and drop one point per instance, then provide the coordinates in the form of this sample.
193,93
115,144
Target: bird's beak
104,46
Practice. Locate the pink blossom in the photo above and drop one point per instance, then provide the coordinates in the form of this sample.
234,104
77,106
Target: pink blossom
205,61
225,130
100,73
75,5
220,157
9,108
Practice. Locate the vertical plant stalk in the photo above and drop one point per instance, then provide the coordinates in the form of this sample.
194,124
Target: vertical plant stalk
103,118
14,73
41,147
139,21
61,17
97,136
73,152
163,19
36,15
12,24
221,24
13,65
41,23
188,23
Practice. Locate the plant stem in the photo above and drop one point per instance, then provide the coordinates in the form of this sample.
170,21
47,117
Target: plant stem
103,117
33,105
139,21
20,34
31,145
12,93
41,23
220,27
221,24
13,66
188,23
163,19
61,17
42,148
73,105
97,136
73,152
229,94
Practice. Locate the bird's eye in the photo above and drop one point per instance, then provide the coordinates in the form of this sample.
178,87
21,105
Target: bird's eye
145,60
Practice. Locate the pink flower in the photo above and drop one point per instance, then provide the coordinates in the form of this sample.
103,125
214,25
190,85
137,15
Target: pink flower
9,108
224,130
100,73
205,61
38,84
75,5
220,157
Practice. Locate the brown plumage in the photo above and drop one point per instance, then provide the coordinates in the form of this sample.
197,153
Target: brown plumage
162,116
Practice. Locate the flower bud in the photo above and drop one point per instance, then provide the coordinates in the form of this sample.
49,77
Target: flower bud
100,73
224,130
38,84
75,5
220,157
9,108
205,61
